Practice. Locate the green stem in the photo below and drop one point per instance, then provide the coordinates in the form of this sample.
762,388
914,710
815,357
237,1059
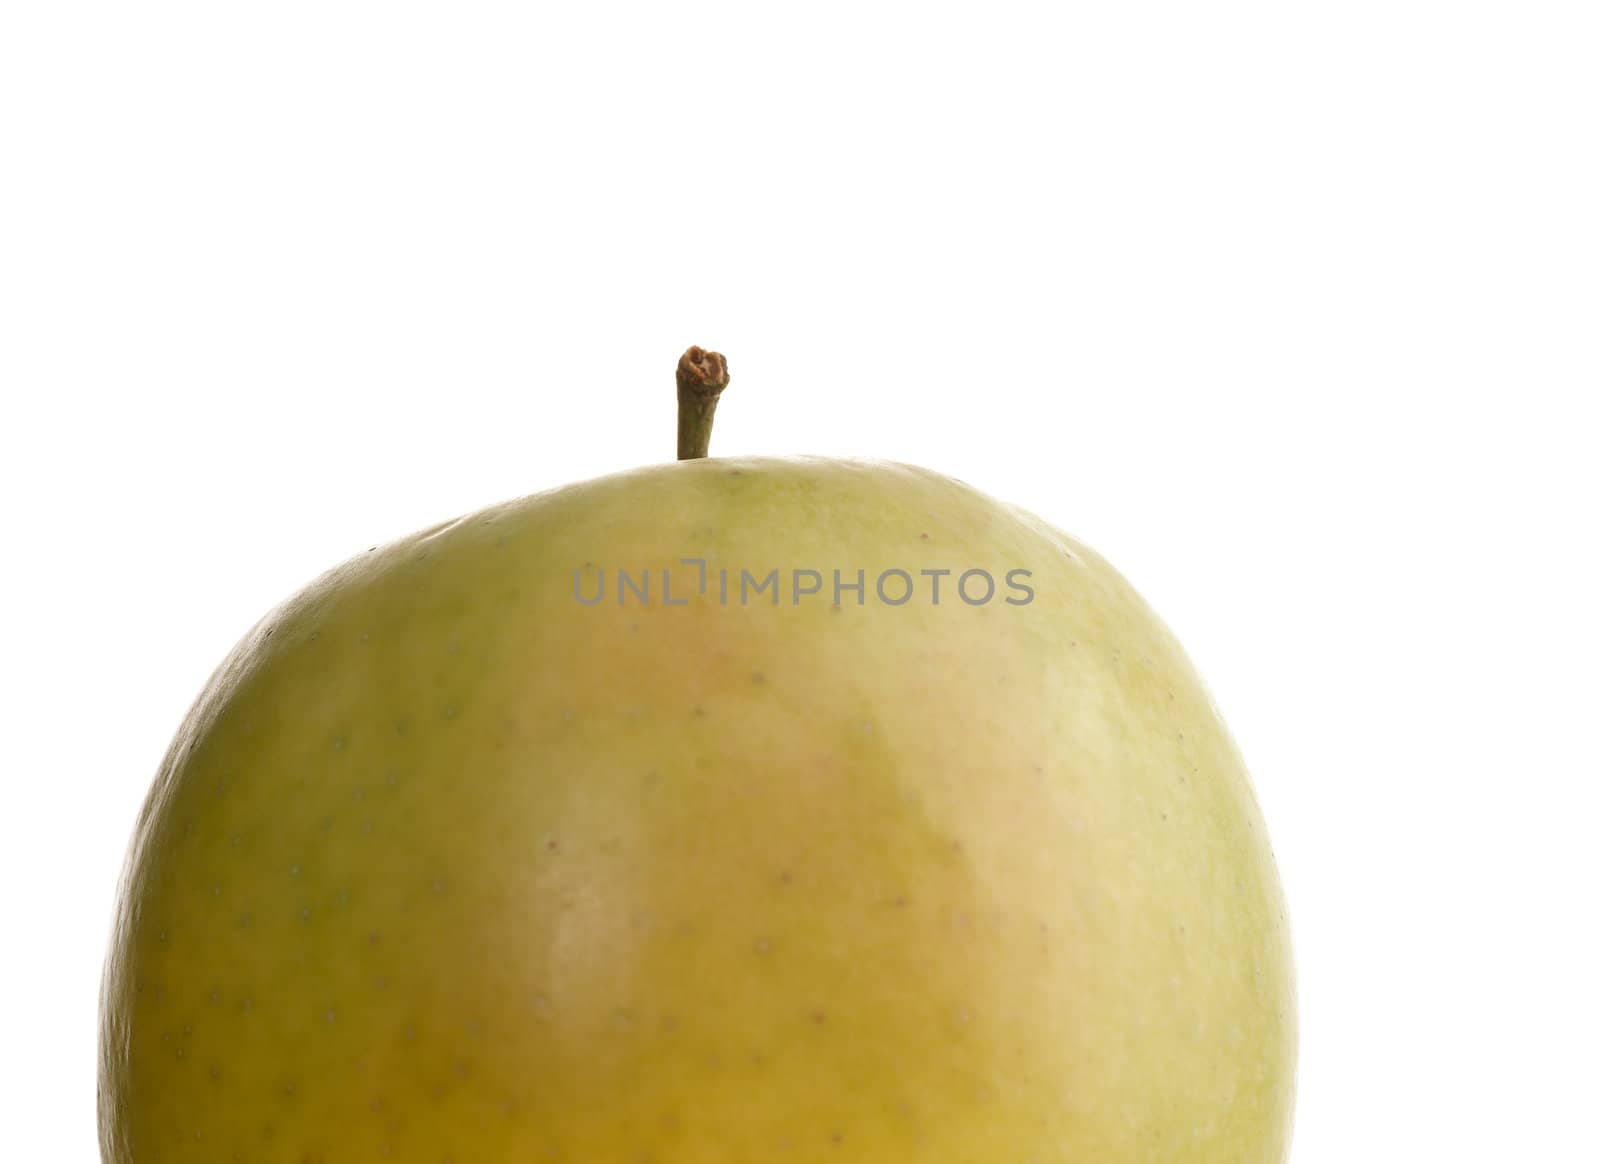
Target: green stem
702,376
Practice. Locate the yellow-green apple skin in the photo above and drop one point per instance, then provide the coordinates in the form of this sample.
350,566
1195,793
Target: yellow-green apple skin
446,865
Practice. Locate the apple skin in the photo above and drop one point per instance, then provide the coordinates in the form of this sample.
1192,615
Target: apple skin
447,866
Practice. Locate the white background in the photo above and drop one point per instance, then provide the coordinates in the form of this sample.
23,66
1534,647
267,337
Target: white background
1291,310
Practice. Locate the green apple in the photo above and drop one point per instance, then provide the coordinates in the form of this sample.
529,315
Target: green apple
611,825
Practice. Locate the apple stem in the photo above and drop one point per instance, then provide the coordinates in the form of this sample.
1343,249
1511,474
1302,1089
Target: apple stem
702,376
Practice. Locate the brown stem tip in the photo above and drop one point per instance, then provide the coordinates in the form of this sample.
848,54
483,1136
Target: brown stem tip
702,376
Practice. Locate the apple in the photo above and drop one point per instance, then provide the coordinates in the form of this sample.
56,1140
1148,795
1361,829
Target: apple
731,809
